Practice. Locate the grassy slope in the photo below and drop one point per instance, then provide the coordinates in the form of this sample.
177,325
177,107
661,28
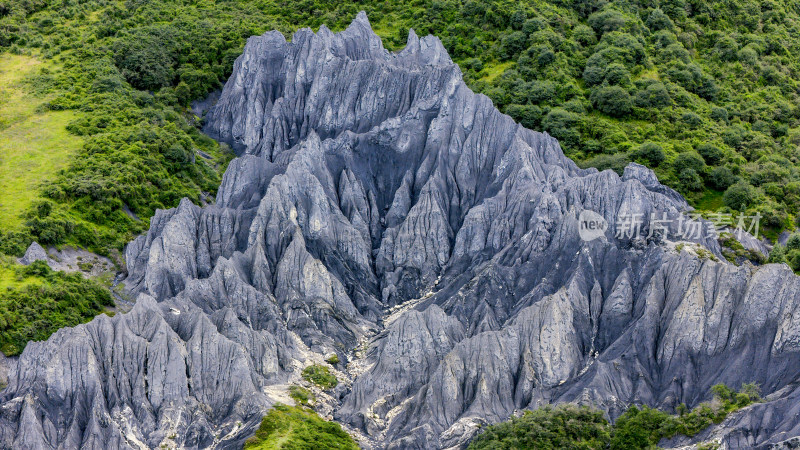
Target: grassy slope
8,276
34,147
495,70
34,144
290,427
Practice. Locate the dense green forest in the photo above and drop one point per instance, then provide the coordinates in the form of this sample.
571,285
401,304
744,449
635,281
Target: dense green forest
706,93
569,426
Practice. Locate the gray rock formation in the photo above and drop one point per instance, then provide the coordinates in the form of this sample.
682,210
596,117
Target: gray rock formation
35,252
377,199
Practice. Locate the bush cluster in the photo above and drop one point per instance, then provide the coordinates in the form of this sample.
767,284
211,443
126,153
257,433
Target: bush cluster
788,253
570,426
44,301
301,396
320,375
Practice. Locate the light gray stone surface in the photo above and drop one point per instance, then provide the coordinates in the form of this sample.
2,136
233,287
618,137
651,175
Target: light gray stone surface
367,180
35,252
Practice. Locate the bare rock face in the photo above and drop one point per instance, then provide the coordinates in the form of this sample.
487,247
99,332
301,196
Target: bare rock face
377,199
35,252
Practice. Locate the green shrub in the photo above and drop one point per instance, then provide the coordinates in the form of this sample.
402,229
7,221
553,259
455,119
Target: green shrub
726,48
533,25
514,43
719,114
777,255
561,125
607,20
654,95
723,393
593,74
569,426
301,395
752,391
529,116
793,259
561,427
793,243
690,180
689,160
638,428
584,35
650,154
617,74
691,119
710,153
620,47
739,196
721,178
145,57
612,100
14,243
657,20
320,375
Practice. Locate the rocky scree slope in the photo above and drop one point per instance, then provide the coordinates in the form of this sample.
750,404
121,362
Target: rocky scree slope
368,180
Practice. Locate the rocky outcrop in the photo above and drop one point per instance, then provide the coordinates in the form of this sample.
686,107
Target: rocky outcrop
377,199
35,252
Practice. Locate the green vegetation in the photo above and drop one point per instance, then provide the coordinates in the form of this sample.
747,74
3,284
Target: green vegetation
569,426
36,301
83,152
642,428
34,143
301,396
704,253
705,94
333,359
320,375
288,427
789,253
733,250
92,146
565,426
